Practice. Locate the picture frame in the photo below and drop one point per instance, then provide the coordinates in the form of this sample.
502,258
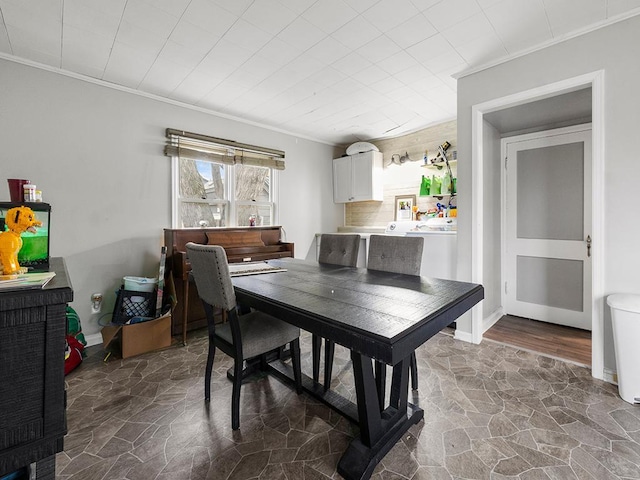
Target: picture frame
403,207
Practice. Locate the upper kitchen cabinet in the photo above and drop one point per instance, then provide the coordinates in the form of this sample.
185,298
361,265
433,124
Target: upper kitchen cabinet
358,177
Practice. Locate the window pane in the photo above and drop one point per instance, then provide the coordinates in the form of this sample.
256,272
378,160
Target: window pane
201,179
261,213
199,214
253,183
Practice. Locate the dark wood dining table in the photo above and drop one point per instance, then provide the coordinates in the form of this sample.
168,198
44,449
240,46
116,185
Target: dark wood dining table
376,315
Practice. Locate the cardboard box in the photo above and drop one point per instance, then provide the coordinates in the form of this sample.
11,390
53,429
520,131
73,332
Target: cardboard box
138,338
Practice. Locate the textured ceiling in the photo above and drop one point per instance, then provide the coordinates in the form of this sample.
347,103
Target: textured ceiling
338,71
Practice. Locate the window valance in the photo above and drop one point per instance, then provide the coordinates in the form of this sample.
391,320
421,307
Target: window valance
202,147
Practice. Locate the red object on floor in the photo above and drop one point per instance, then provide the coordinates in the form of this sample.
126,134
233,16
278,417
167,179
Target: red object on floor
73,354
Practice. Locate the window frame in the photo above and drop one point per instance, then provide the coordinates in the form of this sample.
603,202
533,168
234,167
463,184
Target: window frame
230,193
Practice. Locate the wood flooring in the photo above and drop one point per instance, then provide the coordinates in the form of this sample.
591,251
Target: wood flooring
546,338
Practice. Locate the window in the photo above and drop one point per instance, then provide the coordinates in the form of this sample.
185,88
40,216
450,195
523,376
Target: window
219,183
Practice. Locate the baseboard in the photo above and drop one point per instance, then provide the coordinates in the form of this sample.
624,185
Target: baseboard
464,336
93,339
491,320
610,376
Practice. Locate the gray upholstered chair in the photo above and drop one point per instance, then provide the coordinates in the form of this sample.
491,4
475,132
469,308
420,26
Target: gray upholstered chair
388,253
395,254
243,336
335,249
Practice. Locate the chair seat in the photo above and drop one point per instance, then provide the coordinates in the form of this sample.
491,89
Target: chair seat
260,333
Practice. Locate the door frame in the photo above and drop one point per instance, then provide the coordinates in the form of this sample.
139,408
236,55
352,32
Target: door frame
596,81
504,142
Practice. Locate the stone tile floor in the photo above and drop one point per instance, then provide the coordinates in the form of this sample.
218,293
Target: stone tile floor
491,412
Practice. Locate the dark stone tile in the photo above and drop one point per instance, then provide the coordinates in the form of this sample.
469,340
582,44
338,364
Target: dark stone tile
250,466
315,448
511,466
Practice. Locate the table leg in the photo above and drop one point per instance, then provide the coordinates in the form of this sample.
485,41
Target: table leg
379,431
316,344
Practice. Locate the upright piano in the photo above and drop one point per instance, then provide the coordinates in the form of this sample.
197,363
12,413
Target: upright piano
242,244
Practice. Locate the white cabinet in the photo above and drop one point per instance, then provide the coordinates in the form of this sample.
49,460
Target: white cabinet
357,177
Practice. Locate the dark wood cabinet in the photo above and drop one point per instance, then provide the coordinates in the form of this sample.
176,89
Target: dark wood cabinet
32,394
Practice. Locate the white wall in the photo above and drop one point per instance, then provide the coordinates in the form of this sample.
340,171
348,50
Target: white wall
97,155
614,50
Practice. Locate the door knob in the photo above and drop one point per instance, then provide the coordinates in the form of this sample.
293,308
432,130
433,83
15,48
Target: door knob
588,245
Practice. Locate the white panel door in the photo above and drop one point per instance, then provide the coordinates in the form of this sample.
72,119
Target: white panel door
548,225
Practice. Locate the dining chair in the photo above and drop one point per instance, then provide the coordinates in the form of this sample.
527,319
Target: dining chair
395,254
335,249
242,336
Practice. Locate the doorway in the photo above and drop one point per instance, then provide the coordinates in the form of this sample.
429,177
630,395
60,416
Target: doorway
482,213
547,209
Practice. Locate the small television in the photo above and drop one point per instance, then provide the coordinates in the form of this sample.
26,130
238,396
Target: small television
34,253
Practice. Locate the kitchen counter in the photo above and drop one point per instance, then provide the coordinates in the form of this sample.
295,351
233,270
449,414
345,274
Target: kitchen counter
361,230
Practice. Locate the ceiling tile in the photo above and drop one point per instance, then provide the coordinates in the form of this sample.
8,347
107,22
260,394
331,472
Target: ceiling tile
209,17
193,37
569,15
370,75
328,50
81,47
351,64
297,6
140,38
329,15
194,87
222,95
301,34
181,55
253,71
445,14
90,19
520,24
150,18
356,33
175,8
432,47
246,35
5,46
163,77
361,5
387,14
423,5
397,63
271,17
414,30
617,7
45,8
387,85
278,51
225,55
379,49
33,30
128,65
112,8
482,49
20,49
236,7
466,31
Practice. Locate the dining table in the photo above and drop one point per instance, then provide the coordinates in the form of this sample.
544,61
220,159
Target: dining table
381,318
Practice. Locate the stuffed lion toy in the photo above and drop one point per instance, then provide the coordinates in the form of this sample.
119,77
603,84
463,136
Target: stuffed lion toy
18,220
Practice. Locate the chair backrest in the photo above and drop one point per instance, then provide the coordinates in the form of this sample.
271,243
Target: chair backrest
211,272
339,249
395,254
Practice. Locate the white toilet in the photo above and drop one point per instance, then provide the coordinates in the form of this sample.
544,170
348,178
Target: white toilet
625,316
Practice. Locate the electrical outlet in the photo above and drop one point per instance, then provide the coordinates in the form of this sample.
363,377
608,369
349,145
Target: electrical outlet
96,302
